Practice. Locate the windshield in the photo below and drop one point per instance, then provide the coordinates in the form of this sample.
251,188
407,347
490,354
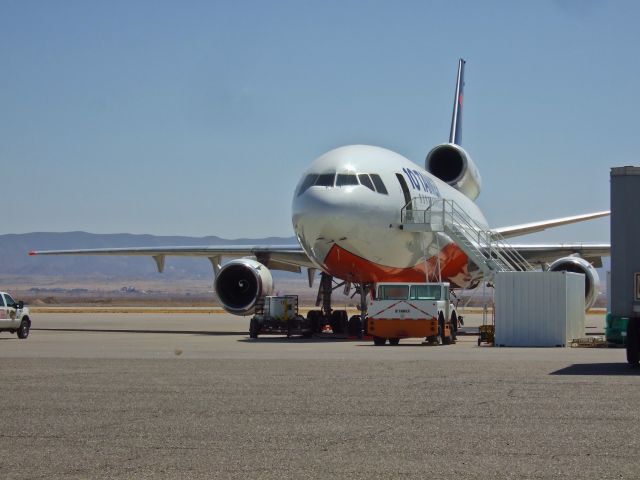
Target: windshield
426,292
393,292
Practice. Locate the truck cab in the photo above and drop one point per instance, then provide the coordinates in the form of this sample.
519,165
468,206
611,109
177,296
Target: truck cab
14,316
412,310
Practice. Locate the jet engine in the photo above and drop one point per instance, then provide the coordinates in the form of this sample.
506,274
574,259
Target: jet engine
580,265
240,283
453,165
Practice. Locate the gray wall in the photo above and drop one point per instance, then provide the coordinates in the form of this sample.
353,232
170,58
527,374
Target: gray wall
625,239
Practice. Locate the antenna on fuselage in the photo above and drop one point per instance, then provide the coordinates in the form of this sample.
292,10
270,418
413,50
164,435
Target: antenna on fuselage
455,136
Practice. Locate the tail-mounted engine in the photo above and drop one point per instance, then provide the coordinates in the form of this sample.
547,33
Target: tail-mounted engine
453,165
580,265
240,283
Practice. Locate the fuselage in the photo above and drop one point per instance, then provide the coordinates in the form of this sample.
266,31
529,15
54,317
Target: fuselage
346,214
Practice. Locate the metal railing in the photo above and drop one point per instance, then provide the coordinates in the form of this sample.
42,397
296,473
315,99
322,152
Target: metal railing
486,248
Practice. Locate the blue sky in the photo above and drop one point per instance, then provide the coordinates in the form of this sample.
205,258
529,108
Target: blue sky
198,118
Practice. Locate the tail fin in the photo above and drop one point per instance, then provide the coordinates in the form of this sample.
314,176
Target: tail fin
456,120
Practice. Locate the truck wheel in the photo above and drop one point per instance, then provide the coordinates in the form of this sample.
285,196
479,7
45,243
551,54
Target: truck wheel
394,341
442,339
23,330
254,328
454,326
379,341
633,342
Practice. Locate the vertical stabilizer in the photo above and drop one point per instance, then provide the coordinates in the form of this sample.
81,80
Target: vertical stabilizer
456,120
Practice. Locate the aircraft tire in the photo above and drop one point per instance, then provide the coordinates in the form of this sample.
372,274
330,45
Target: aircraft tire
394,341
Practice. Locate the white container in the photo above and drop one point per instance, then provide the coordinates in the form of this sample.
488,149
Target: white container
538,309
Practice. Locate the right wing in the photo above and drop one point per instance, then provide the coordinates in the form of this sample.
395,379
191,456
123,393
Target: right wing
533,227
277,257
549,252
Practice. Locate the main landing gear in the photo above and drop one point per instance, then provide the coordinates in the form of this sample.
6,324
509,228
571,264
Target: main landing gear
338,320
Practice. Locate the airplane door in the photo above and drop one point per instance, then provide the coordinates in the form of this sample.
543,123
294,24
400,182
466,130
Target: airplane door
405,190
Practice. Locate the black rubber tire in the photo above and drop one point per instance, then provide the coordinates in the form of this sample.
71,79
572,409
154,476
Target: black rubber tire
454,326
379,341
394,341
23,330
254,328
339,321
314,317
353,328
443,340
633,342
479,341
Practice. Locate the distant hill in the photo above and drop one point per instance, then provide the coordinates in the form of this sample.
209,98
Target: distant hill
14,258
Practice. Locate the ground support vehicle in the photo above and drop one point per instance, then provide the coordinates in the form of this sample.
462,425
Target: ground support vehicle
412,310
14,316
279,315
486,334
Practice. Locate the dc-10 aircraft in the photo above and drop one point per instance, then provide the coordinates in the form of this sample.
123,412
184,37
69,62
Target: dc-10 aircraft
347,214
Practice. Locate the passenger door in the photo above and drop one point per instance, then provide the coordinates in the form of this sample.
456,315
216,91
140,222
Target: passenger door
11,309
4,318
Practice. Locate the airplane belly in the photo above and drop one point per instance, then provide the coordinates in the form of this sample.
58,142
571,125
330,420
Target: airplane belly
374,252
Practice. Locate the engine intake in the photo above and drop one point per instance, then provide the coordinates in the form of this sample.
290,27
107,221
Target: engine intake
453,165
240,283
591,277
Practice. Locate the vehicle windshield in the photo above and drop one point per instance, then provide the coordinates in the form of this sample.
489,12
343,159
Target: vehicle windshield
426,292
393,292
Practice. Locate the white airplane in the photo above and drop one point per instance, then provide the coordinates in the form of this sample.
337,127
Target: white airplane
347,217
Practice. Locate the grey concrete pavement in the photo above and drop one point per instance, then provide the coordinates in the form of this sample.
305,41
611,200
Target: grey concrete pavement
186,397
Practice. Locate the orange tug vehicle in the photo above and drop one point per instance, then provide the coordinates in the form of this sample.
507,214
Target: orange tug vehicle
412,310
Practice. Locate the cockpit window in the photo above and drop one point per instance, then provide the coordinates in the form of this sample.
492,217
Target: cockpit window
377,181
345,179
326,180
366,181
308,182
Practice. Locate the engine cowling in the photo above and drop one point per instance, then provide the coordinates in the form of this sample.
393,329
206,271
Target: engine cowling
240,283
453,165
591,277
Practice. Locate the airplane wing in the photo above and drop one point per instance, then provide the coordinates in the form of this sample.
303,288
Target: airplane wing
277,257
547,253
526,228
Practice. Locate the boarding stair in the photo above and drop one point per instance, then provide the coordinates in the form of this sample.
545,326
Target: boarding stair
486,248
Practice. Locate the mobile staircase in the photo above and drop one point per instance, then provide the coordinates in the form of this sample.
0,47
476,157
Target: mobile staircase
486,248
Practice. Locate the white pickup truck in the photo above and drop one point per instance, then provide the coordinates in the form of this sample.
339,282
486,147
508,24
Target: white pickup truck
14,316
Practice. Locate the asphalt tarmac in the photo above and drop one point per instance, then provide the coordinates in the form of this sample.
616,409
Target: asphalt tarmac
190,396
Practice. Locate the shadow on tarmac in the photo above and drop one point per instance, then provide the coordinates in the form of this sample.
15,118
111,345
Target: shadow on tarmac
621,368
110,330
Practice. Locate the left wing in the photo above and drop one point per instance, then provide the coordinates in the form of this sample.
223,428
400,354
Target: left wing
277,257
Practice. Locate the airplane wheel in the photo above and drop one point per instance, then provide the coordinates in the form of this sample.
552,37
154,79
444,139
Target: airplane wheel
354,326
379,341
394,341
